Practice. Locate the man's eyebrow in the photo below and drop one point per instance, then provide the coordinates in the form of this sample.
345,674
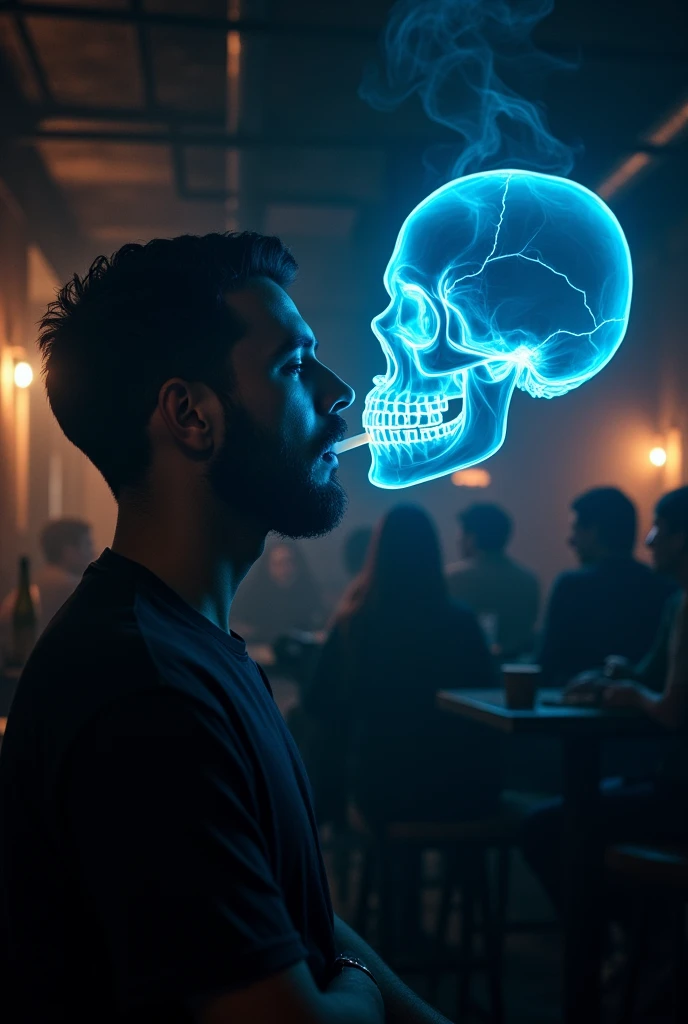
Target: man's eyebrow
296,342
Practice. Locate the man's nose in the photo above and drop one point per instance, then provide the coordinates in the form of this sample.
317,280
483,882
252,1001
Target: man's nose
336,394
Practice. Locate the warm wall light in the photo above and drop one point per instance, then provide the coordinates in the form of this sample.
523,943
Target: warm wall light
23,375
658,456
471,478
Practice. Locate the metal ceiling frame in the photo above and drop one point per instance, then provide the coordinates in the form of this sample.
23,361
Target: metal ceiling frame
178,129
136,14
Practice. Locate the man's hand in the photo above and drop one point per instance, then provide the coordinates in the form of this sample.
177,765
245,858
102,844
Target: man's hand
622,695
617,667
585,682
585,689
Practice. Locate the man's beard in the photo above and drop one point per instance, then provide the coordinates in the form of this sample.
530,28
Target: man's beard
270,482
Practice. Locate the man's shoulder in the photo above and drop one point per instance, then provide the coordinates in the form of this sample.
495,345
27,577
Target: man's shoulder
573,581
91,653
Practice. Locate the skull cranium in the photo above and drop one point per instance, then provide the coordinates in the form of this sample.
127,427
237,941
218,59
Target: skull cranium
498,280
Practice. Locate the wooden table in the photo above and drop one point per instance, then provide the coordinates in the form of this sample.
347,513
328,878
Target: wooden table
581,731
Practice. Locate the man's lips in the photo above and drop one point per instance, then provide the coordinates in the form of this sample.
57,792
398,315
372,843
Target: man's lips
334,435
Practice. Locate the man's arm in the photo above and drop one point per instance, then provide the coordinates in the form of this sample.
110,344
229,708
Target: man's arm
292,997
669,708
159,817
402,1006
653,670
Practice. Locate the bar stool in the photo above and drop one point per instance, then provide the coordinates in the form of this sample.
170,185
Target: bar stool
654,871
465,848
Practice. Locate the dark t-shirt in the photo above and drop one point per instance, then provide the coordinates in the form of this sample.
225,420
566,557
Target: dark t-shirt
614,607
157,837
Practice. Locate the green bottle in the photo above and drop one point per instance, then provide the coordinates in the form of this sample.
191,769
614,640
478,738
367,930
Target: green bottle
24,617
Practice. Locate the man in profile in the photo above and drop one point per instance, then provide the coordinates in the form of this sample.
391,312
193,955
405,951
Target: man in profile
159,855
503,594
613,604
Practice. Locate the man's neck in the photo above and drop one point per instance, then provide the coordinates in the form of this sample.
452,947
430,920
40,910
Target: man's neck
199,549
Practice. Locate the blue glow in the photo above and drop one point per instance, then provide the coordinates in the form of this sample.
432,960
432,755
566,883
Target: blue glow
499,280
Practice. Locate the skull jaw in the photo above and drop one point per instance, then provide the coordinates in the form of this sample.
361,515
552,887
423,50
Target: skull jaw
479,435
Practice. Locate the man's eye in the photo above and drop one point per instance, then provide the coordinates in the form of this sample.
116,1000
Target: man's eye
294,369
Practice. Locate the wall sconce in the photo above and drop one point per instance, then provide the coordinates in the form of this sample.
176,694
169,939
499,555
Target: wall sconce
658,456
23,375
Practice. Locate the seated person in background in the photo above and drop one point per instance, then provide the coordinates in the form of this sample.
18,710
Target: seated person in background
67,546
613,603
278,596
372,701
501,593
658,808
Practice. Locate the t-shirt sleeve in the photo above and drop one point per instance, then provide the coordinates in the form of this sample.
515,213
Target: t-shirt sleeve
162,826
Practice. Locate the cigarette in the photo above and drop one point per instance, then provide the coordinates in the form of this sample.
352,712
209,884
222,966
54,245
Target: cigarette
351,442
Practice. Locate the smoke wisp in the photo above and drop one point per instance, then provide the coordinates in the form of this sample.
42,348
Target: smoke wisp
457,56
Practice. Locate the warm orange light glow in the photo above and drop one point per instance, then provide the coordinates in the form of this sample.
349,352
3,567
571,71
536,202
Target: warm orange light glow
670,128
23,375
471,478
658,456
674,125
623,174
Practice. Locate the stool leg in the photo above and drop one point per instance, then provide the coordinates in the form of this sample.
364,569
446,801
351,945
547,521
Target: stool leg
466,941
440,937
386,893
341,864
503,887
492,942
409,893
680,1007
636,956
365,885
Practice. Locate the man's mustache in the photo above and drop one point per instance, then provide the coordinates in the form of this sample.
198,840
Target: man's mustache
335,430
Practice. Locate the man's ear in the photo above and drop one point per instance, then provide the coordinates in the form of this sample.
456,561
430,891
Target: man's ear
192,415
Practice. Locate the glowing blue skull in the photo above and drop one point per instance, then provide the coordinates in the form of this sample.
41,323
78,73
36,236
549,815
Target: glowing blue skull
498,280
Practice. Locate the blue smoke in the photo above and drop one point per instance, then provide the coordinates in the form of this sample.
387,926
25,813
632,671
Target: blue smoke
453,54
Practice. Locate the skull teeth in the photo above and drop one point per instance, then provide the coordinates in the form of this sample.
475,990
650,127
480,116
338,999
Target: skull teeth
395,437
416,411
412,420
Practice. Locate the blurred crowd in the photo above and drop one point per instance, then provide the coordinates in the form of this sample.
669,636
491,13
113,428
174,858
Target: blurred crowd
406,625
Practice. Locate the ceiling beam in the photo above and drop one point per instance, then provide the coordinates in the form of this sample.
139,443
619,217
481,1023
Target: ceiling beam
131,15
51,224
222,140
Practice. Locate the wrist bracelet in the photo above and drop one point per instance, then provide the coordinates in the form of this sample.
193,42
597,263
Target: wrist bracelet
345,960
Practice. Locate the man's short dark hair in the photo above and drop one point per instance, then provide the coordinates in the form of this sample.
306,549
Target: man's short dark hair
612,513
673,509
150,312
489,525
59,534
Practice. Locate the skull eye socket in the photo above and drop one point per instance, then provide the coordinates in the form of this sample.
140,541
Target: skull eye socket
416,316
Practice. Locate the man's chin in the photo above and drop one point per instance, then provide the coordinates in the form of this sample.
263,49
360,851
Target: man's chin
311,514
